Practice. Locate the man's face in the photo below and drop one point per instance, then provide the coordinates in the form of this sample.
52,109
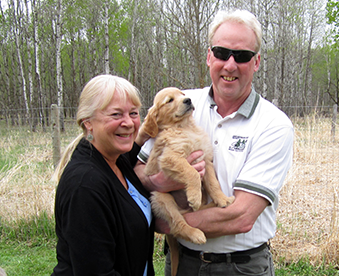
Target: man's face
231,80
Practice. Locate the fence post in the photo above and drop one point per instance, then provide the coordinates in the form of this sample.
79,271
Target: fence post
334,121
55,134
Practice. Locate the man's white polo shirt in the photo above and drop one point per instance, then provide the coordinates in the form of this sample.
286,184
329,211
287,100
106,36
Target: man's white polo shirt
253,150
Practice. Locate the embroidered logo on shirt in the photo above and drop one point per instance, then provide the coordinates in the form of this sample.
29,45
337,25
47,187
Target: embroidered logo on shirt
239,143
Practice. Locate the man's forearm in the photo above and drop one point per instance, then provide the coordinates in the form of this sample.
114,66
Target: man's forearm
237,218
145,180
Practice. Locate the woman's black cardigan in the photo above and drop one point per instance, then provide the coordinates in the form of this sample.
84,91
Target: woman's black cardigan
100,228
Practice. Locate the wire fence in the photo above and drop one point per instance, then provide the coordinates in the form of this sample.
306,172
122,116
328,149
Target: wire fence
307,216
41,117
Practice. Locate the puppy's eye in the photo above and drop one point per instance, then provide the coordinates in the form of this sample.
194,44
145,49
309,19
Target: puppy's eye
170,100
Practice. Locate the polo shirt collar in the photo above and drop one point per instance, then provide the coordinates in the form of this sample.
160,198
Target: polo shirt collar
247,108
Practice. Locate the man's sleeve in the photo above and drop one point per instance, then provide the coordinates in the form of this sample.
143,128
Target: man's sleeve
267,164
146,150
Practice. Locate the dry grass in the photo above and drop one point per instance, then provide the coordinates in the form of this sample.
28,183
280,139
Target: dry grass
25,186
307,216
26,167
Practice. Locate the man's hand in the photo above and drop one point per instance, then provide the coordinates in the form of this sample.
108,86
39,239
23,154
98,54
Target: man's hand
161,226
160,182
200,166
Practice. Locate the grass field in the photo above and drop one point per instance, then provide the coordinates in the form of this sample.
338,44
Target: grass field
307,237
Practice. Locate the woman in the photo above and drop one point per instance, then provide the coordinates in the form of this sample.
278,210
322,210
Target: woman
103,216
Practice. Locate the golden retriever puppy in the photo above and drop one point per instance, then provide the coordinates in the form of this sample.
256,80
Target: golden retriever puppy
170,121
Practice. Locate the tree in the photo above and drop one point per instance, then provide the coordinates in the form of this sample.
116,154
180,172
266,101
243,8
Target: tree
332,9
51,48
106,18
58,62
16,9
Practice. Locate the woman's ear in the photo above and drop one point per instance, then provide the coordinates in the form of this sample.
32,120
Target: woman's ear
87,123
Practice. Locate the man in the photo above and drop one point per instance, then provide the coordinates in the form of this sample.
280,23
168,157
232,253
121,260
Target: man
253,143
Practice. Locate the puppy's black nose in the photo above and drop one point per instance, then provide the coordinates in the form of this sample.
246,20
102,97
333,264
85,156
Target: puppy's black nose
187,101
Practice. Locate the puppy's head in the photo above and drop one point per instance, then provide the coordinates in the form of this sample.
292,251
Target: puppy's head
170,108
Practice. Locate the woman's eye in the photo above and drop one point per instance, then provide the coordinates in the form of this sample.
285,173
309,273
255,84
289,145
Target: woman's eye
116,115
134,114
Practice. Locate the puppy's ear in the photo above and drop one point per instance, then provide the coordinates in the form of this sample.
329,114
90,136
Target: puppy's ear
150,124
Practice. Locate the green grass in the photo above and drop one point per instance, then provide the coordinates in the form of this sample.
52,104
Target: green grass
303,267
28,248
25,258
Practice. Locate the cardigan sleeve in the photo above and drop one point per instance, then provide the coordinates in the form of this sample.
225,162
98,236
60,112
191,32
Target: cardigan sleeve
89,231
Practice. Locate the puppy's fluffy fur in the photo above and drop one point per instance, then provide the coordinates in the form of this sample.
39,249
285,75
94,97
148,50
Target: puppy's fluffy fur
170,121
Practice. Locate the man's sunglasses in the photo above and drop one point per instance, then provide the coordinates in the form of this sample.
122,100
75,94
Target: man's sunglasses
240,56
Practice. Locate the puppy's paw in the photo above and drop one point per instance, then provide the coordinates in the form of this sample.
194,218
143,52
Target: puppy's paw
194,205
224,201
194,200
197,236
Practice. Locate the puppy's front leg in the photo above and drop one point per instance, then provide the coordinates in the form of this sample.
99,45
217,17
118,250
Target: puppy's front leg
177,168
212,186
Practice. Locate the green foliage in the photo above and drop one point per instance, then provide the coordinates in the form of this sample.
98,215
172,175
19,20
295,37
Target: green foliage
332,8
332,14
119,33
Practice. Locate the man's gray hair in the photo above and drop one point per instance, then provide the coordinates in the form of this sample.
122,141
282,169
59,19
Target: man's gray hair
237,16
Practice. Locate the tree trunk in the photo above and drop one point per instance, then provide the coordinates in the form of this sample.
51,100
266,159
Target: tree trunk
58,64
106,62
21,68
40,98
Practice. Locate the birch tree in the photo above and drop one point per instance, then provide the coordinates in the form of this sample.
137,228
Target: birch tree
106,57
40,99
17,44
58,62
187,22
28,38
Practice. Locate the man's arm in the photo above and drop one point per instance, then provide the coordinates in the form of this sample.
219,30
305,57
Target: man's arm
142,137
237,218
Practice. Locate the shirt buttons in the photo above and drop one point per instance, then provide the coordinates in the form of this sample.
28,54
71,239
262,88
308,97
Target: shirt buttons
219,125
215,142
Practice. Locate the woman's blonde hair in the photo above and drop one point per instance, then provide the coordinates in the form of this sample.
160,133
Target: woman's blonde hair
236,16
96,95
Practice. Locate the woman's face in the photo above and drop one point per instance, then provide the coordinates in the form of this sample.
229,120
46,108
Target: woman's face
115,128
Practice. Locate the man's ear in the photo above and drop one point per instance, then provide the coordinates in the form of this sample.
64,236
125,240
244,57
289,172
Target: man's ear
257,62
208,60
150,124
